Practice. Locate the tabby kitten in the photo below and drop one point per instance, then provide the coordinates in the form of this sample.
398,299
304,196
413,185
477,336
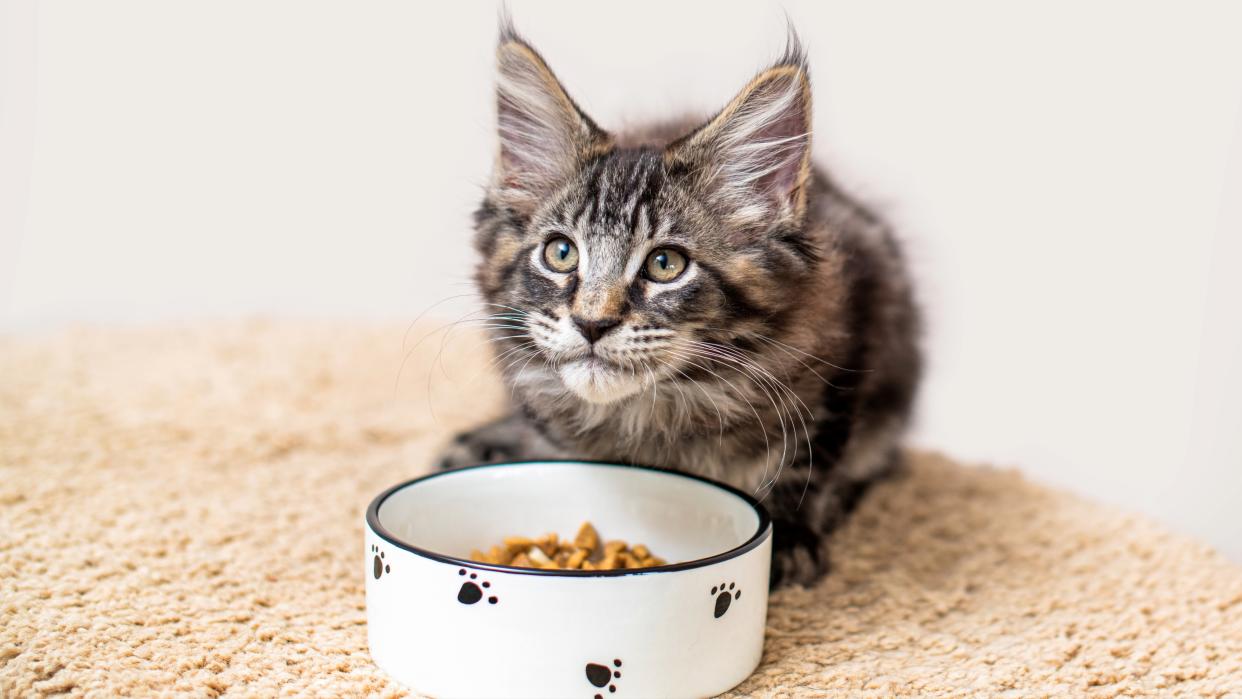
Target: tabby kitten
693,297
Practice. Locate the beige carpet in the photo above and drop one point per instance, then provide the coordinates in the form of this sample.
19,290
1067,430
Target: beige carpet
181,512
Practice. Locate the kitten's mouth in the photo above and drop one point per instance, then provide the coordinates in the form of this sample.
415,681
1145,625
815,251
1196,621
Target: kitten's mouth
594,362
598,380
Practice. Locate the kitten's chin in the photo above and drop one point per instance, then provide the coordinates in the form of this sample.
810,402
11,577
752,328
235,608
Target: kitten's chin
597,382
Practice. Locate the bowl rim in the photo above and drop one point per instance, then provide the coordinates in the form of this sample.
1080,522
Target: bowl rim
762,531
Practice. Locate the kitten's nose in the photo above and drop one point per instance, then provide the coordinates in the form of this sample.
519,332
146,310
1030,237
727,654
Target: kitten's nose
593,330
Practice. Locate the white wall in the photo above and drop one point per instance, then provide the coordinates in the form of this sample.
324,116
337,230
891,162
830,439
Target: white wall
1069,177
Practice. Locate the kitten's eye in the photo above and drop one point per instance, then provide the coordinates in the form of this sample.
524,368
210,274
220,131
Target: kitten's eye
665,265
561,255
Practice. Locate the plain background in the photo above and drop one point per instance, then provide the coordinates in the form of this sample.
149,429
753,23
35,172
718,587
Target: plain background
1068,177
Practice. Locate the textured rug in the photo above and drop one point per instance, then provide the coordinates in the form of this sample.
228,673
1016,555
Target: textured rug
181,512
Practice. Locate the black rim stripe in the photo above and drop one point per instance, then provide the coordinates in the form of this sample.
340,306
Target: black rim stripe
762,531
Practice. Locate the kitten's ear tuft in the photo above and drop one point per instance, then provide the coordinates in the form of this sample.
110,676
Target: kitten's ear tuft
544,136
508,30
795,54
754,157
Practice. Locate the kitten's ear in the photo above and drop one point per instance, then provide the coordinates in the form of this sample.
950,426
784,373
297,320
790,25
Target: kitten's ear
544,136
754,157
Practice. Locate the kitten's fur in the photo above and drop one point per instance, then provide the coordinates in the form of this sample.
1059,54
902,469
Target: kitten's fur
784,359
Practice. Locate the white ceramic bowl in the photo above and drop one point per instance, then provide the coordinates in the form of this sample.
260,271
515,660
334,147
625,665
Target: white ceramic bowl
449,627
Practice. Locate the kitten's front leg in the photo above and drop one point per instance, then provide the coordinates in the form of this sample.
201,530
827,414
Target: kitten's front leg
798,554
806,508
805,511
511,438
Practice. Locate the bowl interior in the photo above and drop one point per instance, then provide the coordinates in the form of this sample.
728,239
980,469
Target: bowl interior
680,518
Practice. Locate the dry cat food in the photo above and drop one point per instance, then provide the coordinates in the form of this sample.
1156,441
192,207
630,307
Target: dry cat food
585,552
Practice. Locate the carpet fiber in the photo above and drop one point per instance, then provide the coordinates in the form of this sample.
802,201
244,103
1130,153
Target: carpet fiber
181,511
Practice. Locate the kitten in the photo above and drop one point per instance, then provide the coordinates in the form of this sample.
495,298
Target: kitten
694,297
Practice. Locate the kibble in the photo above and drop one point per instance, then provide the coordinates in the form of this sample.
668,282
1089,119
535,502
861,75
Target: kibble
584,552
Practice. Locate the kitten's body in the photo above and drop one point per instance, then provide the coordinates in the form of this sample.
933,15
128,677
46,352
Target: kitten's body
783,360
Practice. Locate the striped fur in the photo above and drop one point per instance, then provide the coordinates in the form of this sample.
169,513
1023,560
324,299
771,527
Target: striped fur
784,358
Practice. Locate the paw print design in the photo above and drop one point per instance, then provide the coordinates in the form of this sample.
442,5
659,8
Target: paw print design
602,675
724,597
470,591
378,566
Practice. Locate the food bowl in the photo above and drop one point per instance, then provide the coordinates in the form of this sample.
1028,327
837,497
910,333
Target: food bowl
450,627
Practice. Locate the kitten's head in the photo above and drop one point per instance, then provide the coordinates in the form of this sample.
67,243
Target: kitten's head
610,262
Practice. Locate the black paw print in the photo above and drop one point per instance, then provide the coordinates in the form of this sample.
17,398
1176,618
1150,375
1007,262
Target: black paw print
378,566
725,598
471,593
600,675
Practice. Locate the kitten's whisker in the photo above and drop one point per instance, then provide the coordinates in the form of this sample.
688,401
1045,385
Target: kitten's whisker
787,397
405,337
655,392
409,353
804,413
523,368
821,360
808,414
806,366
777,408
491,321
509,364
517,349
492,365
687,357
719,415
508,367
511,308
678,424
775,397
768,375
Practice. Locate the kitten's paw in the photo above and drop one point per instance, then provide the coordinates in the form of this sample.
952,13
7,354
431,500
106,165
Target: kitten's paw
478,447
795,566
802,563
